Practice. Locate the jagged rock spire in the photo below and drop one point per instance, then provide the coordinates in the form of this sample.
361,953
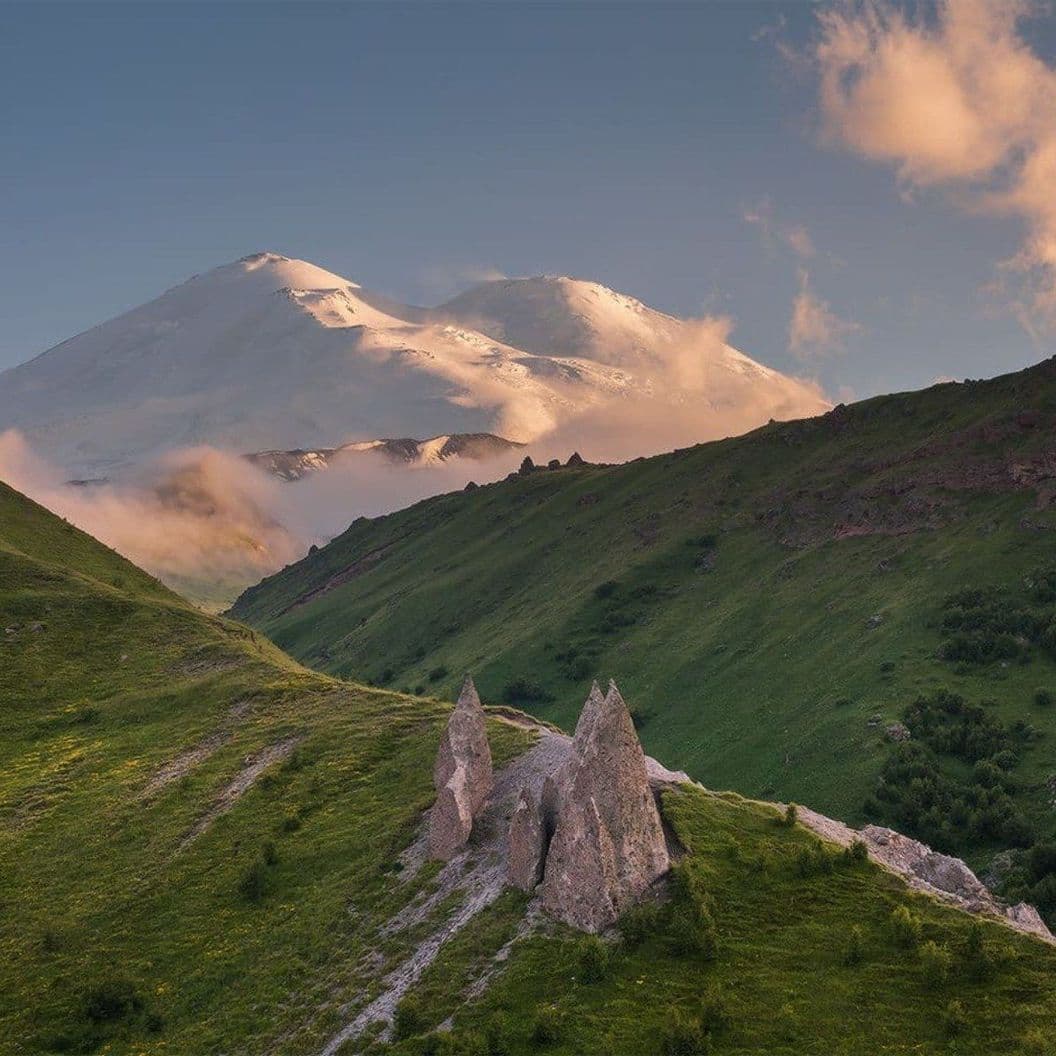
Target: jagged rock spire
528,838
462,775
608,843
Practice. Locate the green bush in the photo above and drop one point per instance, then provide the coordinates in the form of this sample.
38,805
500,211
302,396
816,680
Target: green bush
1043,698
547,1026
684,1035
253,883
905,927
498,1035
935,965
639,923
291,823
857,853
593,957
438,673
976,957
606,589
111,1001
791,816
524,691
854,954
269,853
954,1019
409,1018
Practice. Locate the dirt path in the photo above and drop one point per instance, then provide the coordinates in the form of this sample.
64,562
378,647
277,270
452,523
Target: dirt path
253,766
193,757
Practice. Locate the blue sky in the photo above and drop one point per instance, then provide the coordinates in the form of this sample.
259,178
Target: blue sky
413,147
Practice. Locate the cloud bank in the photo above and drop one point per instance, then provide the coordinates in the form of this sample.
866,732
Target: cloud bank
955,99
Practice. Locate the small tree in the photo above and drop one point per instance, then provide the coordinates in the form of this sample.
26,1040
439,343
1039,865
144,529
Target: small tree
906,928
854,954
935,962
954,1019
594,956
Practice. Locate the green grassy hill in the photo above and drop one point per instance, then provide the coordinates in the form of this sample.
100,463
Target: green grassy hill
771,602
200,849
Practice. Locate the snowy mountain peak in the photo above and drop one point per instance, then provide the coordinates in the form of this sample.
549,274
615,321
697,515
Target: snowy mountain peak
271,353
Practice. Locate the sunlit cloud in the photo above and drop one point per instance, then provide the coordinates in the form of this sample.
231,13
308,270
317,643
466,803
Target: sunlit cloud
815,330
954,99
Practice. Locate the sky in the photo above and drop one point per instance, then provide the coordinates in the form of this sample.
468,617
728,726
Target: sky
867,190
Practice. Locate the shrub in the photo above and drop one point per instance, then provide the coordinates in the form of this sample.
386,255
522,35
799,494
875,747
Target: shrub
268,853
684,1035
976,957
814,860
935,964
408,1019
498,1035
438,673
693,931
606,589
112,1001
854,954
905,927
954,1019
857,853
638,923
842,702
593,958
547,1026
1043,698
291,823
253,883
791,816
523,691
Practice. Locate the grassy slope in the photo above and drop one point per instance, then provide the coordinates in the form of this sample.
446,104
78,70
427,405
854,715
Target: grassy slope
95,890
779,973
738,668
92,884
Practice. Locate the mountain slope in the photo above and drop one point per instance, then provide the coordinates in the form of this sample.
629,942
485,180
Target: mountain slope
202,849
270,353
773,603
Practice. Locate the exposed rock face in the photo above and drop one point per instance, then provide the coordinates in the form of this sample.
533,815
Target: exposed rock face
608,843
528,839
462,776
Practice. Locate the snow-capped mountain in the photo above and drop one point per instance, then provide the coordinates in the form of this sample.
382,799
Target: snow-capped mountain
274,354
294,465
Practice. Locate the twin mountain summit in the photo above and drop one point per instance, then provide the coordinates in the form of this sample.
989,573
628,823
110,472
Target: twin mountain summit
268,831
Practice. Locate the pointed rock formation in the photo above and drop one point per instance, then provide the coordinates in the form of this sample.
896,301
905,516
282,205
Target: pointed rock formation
462,775
524,865
608,843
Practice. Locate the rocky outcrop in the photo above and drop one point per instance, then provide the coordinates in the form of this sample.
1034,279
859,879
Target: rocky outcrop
928,871
528,839
608,843
462,776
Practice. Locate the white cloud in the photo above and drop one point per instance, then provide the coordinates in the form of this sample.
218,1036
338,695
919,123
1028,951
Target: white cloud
959,102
